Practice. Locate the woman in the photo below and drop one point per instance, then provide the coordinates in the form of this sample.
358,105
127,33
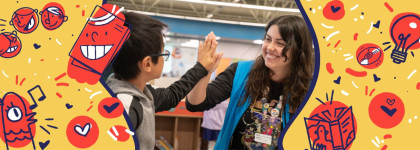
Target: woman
256,115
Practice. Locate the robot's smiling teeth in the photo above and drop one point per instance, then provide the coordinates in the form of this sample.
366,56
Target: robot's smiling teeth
94,52
11,49
30,25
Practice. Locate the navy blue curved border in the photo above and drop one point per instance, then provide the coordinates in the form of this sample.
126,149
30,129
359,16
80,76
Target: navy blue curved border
127,119
314,79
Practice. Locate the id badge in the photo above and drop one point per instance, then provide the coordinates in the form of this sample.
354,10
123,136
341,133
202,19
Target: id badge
262,138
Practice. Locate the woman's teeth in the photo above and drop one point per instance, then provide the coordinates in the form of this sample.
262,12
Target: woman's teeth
272,56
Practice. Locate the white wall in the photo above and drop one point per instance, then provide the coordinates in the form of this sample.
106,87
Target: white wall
239,50
231,49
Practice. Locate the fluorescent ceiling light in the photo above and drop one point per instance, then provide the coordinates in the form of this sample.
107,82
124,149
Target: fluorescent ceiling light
225,21
201,19
198,19
145,13
241,5
170,16
221,3
259,7
252,24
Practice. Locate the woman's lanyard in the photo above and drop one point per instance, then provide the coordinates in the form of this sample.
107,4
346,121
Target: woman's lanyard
286,116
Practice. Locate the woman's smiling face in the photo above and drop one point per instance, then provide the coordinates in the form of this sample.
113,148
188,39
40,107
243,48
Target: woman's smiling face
272,48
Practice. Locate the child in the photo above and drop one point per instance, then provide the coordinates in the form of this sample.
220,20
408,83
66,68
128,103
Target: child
140,61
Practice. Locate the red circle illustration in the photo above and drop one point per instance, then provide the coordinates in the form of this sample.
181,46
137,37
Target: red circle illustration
334,10
14,43
386,110
52,16
25,20
332,125
4,43
110,107
369,56
119,133
82,132
405,28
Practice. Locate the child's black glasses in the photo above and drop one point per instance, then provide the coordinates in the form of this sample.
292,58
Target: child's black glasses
165,55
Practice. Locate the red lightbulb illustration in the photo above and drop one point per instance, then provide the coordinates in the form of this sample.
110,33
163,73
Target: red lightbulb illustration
405,33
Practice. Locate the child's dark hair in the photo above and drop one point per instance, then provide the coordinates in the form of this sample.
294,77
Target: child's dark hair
146,39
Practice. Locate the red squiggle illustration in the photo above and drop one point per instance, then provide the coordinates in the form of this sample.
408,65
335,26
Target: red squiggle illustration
329,68
384,147
356,73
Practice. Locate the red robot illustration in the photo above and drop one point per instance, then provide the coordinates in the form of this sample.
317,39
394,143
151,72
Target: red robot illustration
52,16
25,20
98,43
10,44
18,123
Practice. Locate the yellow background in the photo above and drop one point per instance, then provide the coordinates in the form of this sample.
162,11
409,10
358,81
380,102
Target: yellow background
405,135
43,73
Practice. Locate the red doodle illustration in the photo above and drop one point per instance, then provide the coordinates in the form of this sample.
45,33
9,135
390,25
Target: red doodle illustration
334,10
329,68
4,44
405,33
82,132
356,73
52,16
110,107
386,110
25,20
11,44
18,123
321,142
119,133
99,42
331,125
370,56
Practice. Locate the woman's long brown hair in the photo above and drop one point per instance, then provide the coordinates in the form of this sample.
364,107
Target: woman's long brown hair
298,40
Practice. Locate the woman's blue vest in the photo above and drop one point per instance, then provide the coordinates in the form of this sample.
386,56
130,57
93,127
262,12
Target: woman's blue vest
234,112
